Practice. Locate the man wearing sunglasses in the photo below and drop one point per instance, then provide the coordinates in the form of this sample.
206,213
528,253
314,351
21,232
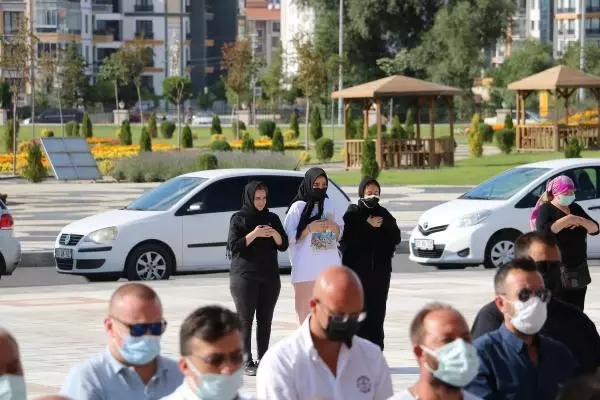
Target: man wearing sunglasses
565,322
131,367
212,354
324,358
515,361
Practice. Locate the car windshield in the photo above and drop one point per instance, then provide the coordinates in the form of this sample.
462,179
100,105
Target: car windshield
166,195
505,185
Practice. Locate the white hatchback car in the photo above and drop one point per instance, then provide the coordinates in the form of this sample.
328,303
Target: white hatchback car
480,227
179,227
10,247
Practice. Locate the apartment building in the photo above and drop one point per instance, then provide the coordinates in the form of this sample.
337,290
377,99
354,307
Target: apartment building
295,21
568,23
263,27
101,27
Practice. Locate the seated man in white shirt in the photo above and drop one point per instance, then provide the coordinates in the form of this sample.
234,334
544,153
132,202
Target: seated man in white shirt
212,354
447,361
324,358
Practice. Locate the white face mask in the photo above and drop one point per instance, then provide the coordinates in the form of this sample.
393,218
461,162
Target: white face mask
12,387
530,315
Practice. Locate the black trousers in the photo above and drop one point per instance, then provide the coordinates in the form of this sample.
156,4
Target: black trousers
376,286
255,296
575,297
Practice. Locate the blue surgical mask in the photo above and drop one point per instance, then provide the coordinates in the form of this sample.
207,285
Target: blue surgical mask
12,387
216,386
140,350
566,200
458,363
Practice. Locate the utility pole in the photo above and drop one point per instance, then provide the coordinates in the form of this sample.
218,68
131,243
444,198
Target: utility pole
340,55
582,49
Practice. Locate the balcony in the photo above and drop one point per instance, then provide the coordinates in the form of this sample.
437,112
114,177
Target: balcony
570,31
188,8
593,32
188,36
105,6
144,35
592,9
562,10
103,35
143,7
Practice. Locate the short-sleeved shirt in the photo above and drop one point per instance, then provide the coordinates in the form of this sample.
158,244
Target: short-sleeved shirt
316,251
506,371
572,242
406,395
293,370
104,378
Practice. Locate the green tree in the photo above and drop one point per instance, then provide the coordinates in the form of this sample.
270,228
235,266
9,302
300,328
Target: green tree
34,170
508,122
277,144
145,140
294,126
152,127
86,126
592,57
125,134
368,160
114,70
177,89
324,149
135,57
409,124
72,83
316,127
397,132
475,139
215,126
272,78
10,128
187,137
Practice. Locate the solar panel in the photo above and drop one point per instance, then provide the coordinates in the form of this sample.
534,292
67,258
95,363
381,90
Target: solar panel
70,158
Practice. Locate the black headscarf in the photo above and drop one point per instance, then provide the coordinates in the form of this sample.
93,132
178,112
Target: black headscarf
366,181
312,198
251,216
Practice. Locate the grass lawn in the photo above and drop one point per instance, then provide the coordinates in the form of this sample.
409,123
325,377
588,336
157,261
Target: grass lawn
466,172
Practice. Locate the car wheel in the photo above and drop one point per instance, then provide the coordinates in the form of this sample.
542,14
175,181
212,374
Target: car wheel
500,249
149,262
102,278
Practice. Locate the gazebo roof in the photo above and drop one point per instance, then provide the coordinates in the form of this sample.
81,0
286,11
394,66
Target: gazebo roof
396,85
559,77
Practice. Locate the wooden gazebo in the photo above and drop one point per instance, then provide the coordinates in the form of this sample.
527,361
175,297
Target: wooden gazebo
400,153
561,82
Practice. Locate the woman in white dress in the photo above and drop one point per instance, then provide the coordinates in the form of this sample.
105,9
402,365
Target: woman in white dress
314,228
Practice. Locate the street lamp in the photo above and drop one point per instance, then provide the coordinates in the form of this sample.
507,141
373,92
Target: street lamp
340,55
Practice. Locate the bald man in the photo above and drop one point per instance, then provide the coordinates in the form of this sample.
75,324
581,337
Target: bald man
324,358
12,381
131,367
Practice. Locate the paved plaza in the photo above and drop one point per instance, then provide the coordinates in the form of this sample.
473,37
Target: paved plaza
57,326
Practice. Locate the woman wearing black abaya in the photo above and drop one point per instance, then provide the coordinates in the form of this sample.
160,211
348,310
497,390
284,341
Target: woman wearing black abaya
255,236
368,246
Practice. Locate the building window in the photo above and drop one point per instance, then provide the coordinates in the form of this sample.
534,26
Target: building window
11,21
276,27
143,29
87,24
532,25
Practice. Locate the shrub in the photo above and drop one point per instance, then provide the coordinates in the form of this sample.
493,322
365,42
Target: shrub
145,140
234,125
47,133
125,134
573,149
277,145
220,145
152,128
187,139
215,126
316,127
295,126
398,131
289,136
267,128
217,137
167,129
505,140
234,159
368,161
373,131
34,171
486,132
86,126
207,161
508,122
324,149
304,157
248,144
9,135
355,128
72,128
409,124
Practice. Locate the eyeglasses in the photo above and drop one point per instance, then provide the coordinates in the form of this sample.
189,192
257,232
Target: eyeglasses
525,294
218,359
548,266
137,330
341,317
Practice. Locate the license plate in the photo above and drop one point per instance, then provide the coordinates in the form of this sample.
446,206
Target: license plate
63,253
424,244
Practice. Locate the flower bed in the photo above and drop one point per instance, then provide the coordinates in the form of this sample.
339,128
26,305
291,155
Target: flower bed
262,144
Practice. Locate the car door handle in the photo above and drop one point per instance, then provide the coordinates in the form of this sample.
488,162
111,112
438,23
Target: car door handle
594,208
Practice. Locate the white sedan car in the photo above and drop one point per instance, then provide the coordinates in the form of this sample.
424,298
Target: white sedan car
10,247
179,227
481,226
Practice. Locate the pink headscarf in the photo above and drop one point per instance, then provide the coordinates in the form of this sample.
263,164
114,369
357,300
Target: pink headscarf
557,186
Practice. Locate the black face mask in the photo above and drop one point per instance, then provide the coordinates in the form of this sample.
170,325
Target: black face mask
318,194
370,201
341,331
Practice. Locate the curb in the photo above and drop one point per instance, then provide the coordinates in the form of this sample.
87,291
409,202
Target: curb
34,259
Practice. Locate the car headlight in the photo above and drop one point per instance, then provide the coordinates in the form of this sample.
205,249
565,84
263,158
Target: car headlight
470,219
104,235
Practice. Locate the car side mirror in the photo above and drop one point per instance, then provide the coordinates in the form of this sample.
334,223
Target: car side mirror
195,207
